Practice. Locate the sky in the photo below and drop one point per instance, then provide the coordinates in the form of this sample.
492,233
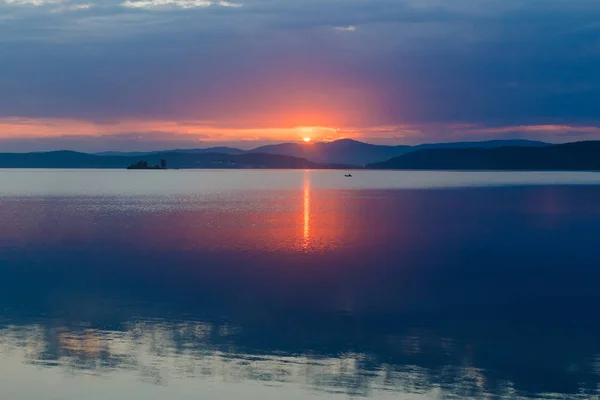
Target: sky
97,75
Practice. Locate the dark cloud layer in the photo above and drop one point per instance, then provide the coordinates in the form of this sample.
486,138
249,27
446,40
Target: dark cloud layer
264,63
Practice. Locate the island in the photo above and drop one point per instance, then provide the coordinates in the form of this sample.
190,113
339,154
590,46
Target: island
144,165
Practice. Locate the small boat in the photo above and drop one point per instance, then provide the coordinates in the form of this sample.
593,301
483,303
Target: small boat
348,175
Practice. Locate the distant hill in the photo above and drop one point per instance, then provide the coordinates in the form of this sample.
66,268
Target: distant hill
348,151
344,151
487,144
126,153
570,156
71,159
222,150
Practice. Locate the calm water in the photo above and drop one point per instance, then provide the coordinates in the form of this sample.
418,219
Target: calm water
299,285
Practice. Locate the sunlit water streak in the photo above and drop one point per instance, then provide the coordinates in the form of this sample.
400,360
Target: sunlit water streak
306,211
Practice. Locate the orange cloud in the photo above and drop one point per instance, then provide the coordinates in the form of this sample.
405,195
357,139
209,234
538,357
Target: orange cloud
35,128
21,128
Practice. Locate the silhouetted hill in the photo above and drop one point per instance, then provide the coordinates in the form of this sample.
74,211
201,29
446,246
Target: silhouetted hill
348,151
487,144
345,151
71,159
570,156
126,153
223,150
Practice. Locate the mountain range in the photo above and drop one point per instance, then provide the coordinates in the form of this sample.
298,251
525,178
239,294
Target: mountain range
341,154
344,151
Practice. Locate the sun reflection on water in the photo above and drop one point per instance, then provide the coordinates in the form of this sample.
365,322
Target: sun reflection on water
306,212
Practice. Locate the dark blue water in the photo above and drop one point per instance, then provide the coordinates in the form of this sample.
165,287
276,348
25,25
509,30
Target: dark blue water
229,290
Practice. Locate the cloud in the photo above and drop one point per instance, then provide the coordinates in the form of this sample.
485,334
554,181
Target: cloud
152,4
73,7
31,2
349,28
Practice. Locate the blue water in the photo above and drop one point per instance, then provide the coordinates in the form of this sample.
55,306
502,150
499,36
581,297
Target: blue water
299,285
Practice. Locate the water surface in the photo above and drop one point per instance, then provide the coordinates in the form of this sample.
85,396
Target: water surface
299,285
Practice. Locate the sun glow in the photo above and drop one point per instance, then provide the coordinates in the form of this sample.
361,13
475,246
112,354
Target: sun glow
316,133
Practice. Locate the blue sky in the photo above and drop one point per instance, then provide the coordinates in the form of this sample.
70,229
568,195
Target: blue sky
147,74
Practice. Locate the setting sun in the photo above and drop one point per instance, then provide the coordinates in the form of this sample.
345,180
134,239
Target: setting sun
306,139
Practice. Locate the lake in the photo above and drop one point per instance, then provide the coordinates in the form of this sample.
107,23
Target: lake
299,285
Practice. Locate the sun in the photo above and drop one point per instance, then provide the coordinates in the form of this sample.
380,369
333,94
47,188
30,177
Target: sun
306,139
